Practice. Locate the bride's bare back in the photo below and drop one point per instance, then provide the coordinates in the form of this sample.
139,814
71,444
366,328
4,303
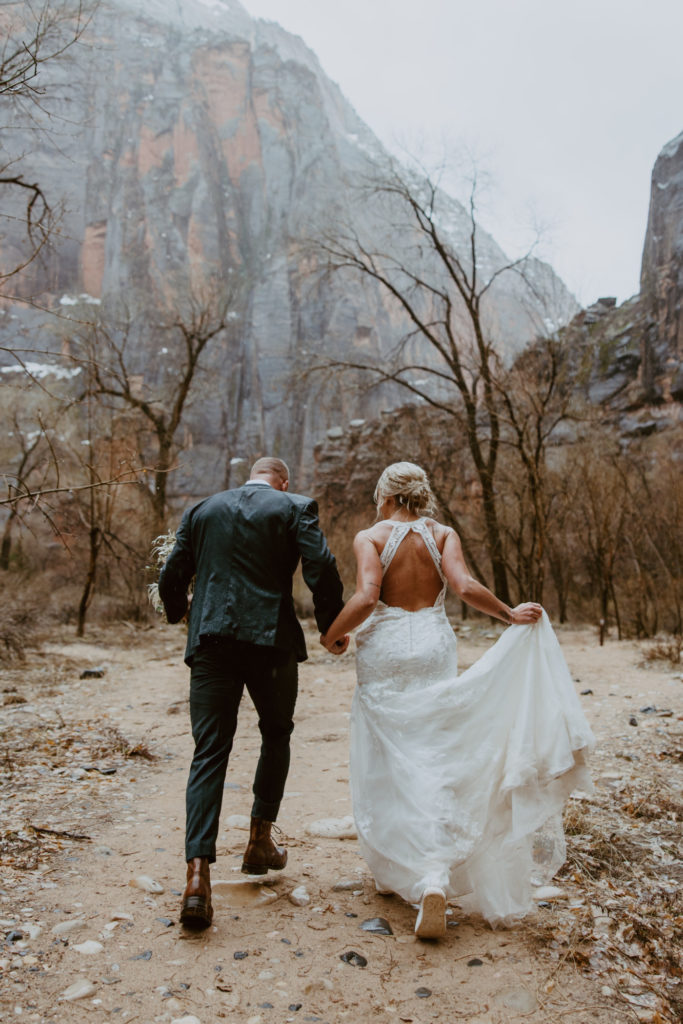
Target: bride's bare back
412,580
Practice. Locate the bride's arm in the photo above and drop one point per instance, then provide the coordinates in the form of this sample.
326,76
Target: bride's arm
368,586
475,593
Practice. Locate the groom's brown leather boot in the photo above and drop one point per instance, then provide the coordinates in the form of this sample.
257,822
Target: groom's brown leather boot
196,911
261,854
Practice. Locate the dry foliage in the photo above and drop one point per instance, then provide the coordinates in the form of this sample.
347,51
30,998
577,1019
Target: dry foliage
42,762
20,619
625,921
665,648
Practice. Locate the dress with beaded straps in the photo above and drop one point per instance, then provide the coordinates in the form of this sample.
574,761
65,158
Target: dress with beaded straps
458,781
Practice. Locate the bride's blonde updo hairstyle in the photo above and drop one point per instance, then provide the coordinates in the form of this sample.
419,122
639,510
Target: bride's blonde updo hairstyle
407,483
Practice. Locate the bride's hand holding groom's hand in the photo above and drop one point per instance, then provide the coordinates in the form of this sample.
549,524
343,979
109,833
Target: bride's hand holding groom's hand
338,647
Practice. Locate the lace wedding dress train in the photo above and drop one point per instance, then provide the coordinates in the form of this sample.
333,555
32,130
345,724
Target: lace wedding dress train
458,781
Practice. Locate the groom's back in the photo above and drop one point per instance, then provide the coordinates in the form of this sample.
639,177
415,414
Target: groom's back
242,547
246,544
247,535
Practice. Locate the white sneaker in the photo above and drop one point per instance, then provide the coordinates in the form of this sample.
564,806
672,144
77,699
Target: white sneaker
431,917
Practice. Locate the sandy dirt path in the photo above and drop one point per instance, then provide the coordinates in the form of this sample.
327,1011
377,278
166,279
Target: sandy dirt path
85,813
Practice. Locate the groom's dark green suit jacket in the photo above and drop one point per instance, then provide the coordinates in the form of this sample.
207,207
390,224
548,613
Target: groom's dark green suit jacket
243,546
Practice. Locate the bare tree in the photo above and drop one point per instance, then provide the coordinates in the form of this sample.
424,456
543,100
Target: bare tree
34,35
602,513
111,357
107,464
29,462
31,416
537,394
449,359
651,573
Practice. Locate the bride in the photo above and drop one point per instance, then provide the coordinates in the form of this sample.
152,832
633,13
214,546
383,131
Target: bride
457,781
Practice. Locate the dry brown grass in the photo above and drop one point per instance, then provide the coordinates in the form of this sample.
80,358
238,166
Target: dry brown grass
665,648
18,629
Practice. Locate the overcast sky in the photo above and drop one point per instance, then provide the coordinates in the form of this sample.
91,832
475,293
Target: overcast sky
566,105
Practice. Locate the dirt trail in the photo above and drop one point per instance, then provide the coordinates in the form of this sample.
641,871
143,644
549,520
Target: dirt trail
84,813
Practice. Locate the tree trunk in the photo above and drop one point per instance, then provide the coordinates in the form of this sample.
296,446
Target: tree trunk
617,617
604,598
6,546
494,541
88,589
160,497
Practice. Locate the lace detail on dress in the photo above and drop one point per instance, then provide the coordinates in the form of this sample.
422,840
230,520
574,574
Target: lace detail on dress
458,781
399,531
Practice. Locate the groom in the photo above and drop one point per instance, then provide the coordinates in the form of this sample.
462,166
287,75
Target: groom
242,546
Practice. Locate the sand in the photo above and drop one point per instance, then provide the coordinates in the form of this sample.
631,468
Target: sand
265,959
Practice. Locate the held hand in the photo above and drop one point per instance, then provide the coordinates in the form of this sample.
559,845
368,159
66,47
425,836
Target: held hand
525,614
338,647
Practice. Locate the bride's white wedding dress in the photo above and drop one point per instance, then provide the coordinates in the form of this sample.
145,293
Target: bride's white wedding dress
458,781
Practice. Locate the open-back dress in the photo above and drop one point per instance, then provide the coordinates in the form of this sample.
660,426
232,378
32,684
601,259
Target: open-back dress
458,781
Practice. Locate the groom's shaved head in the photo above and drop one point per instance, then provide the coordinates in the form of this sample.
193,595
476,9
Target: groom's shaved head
270,467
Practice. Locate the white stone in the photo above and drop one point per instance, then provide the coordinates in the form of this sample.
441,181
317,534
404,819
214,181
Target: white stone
318,985
64,927
333,828
238,821
80,989
299,896
189,1019
121,915
519,999
89,947
147,884
33,930
549,893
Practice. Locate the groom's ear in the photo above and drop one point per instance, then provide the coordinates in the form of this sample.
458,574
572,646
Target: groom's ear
285,485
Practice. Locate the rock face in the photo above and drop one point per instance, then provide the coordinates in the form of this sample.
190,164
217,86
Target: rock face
661,280
630,357
197,142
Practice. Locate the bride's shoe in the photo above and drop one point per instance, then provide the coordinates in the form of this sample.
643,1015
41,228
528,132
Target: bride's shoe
431,917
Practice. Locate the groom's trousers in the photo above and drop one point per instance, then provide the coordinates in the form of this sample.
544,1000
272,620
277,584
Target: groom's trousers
221,669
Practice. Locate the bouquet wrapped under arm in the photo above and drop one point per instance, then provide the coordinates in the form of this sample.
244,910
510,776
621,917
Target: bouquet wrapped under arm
161,548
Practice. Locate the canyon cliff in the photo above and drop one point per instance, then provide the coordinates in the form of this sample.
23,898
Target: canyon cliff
188,141
661,280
